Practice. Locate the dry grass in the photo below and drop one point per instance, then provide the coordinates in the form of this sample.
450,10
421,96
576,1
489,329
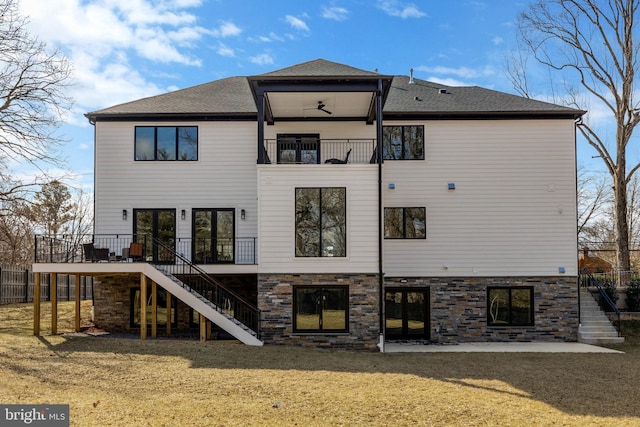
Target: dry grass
125,381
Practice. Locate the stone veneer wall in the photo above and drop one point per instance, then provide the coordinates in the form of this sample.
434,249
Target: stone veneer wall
275,300
458,308
112,304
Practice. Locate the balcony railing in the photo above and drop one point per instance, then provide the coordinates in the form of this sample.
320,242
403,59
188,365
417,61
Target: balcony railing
306,150
116,248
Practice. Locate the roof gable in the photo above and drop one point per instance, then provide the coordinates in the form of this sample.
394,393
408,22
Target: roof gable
319,68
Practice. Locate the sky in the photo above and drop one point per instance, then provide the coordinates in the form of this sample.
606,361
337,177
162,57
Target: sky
123,50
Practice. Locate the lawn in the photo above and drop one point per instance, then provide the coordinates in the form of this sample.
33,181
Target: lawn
110,381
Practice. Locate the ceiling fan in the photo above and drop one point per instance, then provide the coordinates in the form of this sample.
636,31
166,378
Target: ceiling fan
321,106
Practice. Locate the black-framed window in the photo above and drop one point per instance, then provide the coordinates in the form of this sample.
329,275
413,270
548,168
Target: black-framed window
510,306
405,223
299,148
161,312
321,229
320,309
403,142
166,143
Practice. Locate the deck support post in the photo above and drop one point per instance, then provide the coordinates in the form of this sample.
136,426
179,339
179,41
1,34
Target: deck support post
168,313
78,279
36,304
53,295
154,309
203,328
143,306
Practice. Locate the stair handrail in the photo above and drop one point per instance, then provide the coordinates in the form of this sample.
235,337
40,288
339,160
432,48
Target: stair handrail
604,296
245,312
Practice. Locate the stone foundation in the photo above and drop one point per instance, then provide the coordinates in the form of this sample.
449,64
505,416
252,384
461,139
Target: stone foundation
275,299
112,304
458,308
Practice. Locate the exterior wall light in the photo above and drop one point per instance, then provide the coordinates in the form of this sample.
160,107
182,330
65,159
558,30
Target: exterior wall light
183,214
243,214
124,214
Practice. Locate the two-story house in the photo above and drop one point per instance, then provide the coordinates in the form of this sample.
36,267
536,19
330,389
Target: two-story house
325,205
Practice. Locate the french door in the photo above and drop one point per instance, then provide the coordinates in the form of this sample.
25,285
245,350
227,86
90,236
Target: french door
158,224
407,313
213,236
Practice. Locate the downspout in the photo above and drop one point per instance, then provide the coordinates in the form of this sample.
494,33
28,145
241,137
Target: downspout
380,214
577,123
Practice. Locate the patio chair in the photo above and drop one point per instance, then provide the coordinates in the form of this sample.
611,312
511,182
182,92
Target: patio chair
136,251
93,254
339,161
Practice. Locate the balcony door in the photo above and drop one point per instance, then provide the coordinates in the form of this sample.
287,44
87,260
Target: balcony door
213,236
407,313
302,148
158,224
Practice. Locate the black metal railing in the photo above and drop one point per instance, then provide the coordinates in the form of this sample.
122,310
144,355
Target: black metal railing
320,151
115,248
195,279
587,279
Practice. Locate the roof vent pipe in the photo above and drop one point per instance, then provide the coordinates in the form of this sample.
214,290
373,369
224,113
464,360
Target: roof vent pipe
411,76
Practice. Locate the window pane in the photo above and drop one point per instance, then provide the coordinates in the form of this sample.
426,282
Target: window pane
202,229
392,142
166,234
144,144
521,307
498,306
224,235
415,223
413,143
308,222
334,233
334,309
308,302
166,143
188,143
393,224
393,312
308,150
144,229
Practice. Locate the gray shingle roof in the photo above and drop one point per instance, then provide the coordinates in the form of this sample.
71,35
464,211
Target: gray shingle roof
233,97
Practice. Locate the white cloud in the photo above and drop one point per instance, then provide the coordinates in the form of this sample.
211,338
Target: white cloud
448,81
336,13
227,29
296,23
224,50
262,59
397,9
462,72
497,40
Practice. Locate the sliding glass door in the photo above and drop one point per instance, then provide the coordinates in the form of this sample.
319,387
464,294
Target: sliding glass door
214,236
158,224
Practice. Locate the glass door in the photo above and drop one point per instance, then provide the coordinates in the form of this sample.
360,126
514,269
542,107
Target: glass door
160,224
407,313
213,236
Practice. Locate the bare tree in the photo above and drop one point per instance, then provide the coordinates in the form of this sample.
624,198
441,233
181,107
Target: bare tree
32,97
593,199
592,42
16,234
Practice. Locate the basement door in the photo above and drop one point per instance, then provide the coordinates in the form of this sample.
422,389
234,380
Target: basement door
407,313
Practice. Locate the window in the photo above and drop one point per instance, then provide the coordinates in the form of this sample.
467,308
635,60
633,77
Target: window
321,222
403,142
166,143
405,223
510,306
320,309
299,149
161,296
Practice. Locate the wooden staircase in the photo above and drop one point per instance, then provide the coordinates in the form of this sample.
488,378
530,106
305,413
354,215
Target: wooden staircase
595,326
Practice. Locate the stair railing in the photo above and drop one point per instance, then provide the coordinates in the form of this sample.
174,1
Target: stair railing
591,280
194,278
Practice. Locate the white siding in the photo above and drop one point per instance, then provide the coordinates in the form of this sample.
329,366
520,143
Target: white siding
513,211
223,177
277,186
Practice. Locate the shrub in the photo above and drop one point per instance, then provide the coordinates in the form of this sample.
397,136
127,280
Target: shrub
633,295
610,289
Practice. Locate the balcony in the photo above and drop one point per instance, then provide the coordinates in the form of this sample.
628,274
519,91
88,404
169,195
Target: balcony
309,149
131,248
